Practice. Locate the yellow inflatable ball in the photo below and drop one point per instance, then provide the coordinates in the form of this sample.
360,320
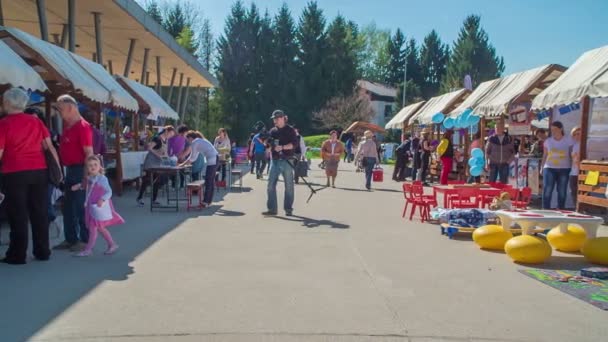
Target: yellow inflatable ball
527,249
570,241
491,237
596,250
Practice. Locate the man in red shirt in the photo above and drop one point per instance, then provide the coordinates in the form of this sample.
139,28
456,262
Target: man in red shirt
75,146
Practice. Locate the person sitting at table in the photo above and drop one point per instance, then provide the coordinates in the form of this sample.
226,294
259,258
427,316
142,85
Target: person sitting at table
157,150
201,146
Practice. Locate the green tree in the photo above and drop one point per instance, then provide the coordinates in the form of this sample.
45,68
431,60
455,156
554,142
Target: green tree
473,55
434,56
396,64
284,51
311,88
374,58
152,7
186,40
341,63
265,69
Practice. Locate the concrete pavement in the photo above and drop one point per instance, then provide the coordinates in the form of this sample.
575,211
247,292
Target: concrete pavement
347,267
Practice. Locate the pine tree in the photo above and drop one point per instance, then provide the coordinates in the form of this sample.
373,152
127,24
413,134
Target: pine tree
311,88
434,56
341,64
396,52
153,9
265,69
186,40
472,55
374,57
284,52
232,73
206,56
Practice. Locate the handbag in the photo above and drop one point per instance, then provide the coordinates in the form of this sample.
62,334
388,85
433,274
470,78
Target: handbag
53,168
302,169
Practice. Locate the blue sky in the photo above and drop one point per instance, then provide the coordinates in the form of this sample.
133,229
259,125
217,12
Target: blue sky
528,33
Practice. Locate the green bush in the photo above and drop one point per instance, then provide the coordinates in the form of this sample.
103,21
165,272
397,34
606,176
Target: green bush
315,140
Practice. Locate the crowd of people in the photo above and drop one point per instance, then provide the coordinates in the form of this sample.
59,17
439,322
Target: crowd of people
559,155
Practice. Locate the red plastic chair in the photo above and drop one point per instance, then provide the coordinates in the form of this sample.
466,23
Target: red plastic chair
466,199
424,203
499,185
407,194
456,182
513,193
524,200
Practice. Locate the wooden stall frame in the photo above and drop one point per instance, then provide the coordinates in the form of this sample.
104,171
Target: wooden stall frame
584,194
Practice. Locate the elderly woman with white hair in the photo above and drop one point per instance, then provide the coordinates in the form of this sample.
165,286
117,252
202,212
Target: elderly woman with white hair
23,139
368,152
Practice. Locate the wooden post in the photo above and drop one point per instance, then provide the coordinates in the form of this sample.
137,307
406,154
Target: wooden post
129,58
158,81
44,30
144,67
585,110
110,67
136,131
1,14
179,92
72,25
118,156
182,111
64,36
168,99
98,37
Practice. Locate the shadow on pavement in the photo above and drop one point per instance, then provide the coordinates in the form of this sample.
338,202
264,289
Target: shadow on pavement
313,223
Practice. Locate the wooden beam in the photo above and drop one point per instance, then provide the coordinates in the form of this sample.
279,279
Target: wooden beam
110,67
179,92
72,25
585,109
185,102
129,58
171,86
158,81
1,14
64,36
44,29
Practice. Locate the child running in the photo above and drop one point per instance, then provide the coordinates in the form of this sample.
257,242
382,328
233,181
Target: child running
99,211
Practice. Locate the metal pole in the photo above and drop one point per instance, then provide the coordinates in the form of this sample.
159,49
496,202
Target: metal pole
44,30
185,102
110,67
72,25
147,78
144,66
171,86
64,36
179,91
404,79
1,14
98,37
158,86
129,58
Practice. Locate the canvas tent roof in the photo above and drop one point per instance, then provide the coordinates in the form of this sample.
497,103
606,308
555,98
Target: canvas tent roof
478,95
157,106
522,86
588,76
16,72
404,114
439,104
361,126
85,76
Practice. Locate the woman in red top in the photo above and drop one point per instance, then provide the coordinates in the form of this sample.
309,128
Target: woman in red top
22,139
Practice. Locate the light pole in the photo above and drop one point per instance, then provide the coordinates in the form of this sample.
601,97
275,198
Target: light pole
404,77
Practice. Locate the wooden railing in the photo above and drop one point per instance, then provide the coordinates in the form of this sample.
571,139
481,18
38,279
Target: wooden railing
594,195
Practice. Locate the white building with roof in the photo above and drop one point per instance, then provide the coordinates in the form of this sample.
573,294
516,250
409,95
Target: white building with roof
382,99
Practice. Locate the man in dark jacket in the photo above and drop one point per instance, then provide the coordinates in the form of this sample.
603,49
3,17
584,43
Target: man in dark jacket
415,153
402,153
500,152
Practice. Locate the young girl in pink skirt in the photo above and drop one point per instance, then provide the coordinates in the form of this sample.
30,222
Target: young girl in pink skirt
99,211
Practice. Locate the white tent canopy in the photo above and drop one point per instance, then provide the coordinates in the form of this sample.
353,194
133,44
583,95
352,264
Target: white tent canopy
158,107
120,97
405,113
588,76
438,104
478,95
16,72
64,64
513,86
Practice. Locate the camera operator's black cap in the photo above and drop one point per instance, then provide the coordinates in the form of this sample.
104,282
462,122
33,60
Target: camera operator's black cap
277,114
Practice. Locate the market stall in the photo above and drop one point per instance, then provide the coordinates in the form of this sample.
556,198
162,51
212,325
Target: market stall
400,120
128,130
15,72
578,97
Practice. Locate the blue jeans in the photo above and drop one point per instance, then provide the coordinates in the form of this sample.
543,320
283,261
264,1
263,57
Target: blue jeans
74,226
370,162
280,167
552,177
499,172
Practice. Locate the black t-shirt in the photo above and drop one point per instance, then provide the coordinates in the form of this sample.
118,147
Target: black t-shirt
158,143
284,136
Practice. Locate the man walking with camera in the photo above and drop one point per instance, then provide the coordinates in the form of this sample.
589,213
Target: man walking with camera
283,140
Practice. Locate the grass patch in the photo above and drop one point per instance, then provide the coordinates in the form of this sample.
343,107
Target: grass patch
315,140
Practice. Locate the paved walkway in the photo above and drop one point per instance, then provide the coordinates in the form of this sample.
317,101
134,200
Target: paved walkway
346,268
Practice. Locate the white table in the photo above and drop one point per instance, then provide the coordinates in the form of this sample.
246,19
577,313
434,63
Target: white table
131,164
528,219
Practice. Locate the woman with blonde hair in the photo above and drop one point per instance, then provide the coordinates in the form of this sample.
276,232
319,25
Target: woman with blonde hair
368,152
331,152
576,159
223,146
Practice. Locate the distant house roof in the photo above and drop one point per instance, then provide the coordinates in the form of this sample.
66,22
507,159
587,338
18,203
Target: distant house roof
377,88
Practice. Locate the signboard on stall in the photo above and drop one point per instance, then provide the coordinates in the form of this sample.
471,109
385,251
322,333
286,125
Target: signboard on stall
519,120
570,116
